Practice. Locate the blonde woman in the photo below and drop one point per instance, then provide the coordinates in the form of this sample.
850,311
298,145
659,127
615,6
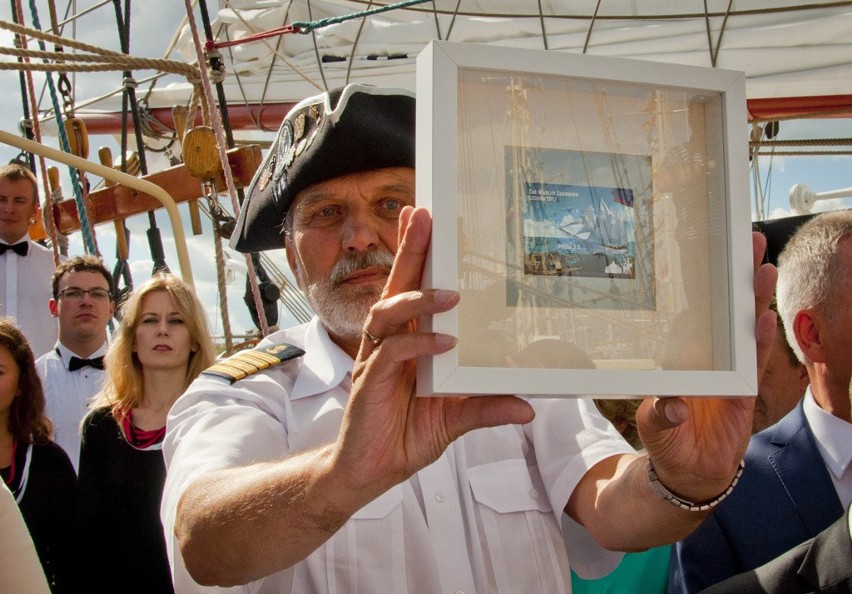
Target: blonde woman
161,345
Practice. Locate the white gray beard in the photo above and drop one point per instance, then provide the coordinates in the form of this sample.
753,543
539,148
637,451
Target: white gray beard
343,309
342,314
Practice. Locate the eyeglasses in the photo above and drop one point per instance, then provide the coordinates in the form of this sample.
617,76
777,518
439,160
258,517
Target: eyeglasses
77,293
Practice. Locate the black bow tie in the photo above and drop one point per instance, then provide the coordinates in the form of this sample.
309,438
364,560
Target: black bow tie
78,363
19,248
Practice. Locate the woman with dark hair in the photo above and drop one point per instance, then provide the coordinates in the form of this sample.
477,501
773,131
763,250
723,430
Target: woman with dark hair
36,470
161,345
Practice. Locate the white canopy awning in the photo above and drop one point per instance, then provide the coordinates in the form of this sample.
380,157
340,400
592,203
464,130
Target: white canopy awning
787,48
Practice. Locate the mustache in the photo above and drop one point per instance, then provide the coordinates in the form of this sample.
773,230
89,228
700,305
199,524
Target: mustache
350,263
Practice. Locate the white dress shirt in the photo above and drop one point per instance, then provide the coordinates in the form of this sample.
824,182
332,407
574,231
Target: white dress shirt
25,293
833,438
485,517
67,395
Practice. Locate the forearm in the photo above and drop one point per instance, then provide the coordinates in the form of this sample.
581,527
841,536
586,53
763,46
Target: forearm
237,525
622,512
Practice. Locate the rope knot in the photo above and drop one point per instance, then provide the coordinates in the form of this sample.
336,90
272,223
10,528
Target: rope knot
217,75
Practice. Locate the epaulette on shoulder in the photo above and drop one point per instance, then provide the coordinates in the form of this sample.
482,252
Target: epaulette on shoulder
245,363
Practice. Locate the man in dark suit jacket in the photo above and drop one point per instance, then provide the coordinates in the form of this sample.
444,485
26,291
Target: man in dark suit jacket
822,564
784,497
789,491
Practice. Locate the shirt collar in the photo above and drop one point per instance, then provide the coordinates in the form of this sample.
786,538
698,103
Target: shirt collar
832,435
325,365
65,353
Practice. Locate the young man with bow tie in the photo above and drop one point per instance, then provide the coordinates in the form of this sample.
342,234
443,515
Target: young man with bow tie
25,266
73,371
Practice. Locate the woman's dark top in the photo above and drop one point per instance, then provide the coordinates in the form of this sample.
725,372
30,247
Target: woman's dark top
120,491
45,487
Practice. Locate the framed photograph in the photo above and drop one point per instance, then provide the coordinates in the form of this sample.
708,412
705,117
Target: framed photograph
594,215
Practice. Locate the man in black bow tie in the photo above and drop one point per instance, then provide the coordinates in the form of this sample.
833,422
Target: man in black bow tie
25,266
73,372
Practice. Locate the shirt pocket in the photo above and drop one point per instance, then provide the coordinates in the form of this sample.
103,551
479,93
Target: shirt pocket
371,541
521,539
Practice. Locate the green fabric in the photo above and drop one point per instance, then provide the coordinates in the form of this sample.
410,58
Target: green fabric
644,573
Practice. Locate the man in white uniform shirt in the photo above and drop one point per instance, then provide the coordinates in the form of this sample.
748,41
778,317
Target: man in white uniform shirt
323,472
73,371
25,266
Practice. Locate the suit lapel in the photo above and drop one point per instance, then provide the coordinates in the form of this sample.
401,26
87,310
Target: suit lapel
801,470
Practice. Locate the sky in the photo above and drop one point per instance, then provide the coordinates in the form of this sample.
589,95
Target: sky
151,31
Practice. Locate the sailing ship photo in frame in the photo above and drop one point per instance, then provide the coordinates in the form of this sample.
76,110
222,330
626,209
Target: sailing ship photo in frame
593,214
590,221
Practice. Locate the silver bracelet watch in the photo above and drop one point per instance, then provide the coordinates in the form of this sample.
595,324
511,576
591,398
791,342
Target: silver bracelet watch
682,503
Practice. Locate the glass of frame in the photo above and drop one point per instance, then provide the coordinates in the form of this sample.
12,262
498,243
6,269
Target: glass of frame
593,213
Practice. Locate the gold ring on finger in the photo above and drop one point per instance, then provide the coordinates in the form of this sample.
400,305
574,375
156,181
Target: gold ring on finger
374,339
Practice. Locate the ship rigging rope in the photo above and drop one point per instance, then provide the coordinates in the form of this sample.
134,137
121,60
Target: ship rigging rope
289,296
221,285
305,27
80,147
103,59
100,63
274,50
218,129
85,227
47,208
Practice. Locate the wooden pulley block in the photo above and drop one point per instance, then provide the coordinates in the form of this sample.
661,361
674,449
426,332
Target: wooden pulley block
78,137
201,153
132,165
201,159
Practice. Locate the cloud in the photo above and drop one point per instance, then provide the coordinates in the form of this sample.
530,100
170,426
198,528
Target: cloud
780,213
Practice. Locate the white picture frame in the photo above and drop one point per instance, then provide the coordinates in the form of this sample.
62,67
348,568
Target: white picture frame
594,215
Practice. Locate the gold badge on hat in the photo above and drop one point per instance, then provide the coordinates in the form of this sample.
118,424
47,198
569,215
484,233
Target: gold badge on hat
299,127
285,144
267,174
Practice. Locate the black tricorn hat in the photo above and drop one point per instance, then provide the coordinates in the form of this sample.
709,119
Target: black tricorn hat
346,130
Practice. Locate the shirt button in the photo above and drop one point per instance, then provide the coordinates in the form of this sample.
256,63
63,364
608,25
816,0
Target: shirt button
440,496
533,493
